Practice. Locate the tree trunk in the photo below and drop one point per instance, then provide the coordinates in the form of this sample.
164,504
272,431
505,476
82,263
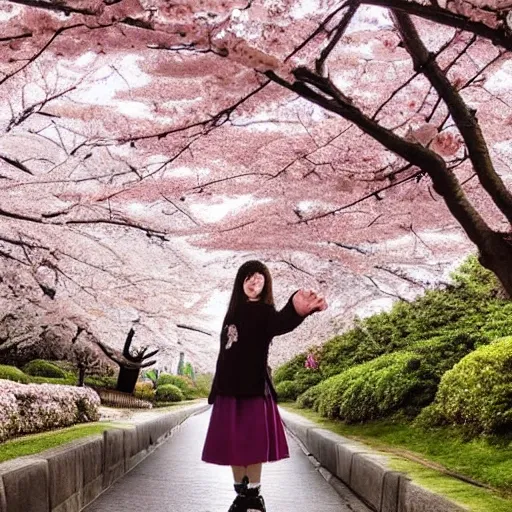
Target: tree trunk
81,375
496,256
127,379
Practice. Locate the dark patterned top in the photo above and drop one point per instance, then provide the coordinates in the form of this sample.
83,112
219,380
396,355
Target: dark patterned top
242,365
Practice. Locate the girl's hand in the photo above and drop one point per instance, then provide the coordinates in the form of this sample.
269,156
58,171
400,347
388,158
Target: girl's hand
306,302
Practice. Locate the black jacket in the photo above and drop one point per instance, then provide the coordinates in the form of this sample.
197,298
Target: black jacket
242,368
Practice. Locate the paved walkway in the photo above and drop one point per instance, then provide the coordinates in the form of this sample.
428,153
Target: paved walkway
174,479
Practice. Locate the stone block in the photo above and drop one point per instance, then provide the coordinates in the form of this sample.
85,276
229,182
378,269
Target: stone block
323,446
367,477
390,491
114,461
132,455
143,437
344,457
25,485
414,498
65,477
91,460
298,426
3,501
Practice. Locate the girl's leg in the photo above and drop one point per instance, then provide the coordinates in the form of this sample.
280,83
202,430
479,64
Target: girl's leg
238,473
254,473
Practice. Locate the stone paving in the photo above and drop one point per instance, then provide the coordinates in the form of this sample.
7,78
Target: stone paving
174,479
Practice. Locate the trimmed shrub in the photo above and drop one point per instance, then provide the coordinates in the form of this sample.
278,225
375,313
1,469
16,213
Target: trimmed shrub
182,382
287,390
13,373
309,398
97,381
288,370
43,407
376,389
42,368
168,393
477,392
9,414
473,304
68,381
203,384
441,353
307,379
144,391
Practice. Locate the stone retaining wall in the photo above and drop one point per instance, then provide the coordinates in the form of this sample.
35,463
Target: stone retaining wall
70,477
364,471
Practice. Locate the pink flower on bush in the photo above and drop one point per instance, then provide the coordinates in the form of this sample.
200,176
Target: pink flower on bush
31,408
311,363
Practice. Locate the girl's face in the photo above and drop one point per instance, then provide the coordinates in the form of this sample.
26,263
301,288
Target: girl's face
253,286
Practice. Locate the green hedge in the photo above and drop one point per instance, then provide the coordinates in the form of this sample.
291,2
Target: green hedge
376,389
473,304
309,399
42,368
67,381
288,370
185,384
97,381
144,391
203,384
287,390
13,373
168,393
477,392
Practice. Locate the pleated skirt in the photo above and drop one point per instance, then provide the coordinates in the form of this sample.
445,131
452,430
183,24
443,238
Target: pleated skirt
245,431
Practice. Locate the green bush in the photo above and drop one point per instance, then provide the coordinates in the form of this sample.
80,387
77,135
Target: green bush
308,399
13,373
287,390
68,366
67,381
288,370
306,379
441,353
42,368
473,304
97,381
203,384
144,391
180,381
168,393
377,389
477,392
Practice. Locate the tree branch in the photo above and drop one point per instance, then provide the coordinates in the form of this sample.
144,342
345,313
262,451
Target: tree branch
465,120
340,30
499,36
444,181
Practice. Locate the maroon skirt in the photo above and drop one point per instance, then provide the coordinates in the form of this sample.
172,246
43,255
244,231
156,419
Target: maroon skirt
244,431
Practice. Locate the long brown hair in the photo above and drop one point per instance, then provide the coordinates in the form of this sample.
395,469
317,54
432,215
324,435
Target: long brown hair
238,296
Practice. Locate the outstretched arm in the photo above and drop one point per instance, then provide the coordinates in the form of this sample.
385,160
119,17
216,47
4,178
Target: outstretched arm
301,304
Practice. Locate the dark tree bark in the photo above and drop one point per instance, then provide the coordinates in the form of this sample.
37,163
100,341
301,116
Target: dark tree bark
81,375
130,363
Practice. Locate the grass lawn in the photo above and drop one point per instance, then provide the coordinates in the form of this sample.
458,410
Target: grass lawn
36,443
431,457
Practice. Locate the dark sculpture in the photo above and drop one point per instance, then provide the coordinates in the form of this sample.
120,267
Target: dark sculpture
130,362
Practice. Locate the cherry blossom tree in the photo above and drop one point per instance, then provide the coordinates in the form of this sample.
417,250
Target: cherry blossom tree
369,137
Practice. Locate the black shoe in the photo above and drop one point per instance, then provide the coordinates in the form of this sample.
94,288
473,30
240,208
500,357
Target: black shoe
255,501
239,503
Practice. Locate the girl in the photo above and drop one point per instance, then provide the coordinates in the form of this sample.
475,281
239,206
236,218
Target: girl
245,427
